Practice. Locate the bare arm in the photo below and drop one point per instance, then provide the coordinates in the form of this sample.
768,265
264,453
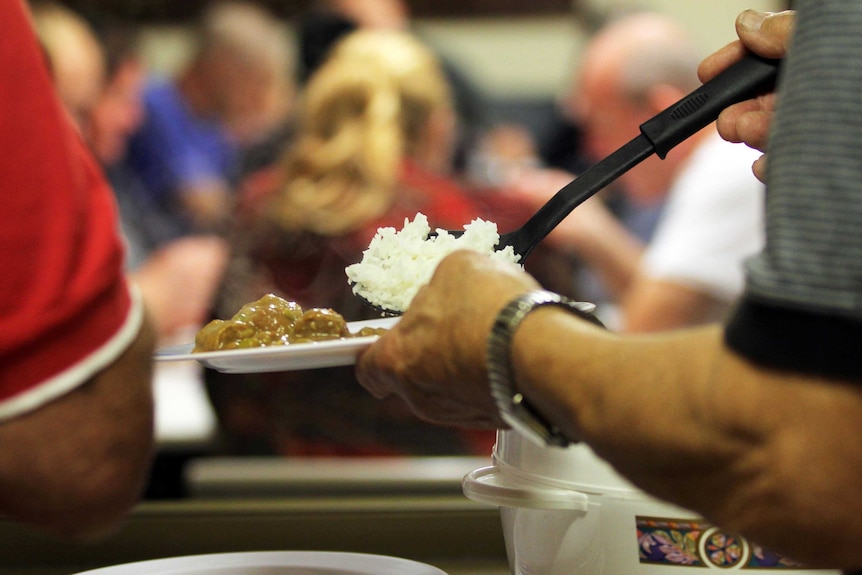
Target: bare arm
769,455
689,421
75,464
677,413
78,464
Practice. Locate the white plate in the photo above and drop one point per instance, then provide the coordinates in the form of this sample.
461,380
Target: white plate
274,563
289,357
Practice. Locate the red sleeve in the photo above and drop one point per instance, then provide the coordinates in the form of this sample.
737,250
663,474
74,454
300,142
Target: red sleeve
65,309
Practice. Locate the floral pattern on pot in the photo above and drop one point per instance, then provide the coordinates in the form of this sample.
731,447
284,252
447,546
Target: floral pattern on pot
692,543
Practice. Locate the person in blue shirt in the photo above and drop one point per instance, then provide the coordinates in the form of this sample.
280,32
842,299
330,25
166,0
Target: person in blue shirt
235,88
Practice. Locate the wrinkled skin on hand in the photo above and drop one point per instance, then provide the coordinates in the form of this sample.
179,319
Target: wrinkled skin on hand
435,357
765,34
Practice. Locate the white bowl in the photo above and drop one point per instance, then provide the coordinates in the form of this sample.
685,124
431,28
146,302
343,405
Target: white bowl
568,512
274,563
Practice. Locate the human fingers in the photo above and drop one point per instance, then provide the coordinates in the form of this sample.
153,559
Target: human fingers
766,34
720,60
759,168
411,362
434,358
748,121
414,363
376,367
455,312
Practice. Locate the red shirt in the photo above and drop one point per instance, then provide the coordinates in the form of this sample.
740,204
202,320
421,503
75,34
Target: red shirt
65,309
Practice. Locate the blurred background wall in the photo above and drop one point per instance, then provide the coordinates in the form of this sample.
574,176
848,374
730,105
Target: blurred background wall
513,55
533,56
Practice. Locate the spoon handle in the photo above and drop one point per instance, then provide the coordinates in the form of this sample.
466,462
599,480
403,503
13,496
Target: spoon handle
745,79
573,194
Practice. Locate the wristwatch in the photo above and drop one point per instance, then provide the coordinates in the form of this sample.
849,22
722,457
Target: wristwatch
513,406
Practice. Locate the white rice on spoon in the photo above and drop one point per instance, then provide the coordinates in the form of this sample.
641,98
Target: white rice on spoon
397,263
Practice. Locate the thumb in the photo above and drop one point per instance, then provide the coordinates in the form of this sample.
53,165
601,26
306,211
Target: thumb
767,34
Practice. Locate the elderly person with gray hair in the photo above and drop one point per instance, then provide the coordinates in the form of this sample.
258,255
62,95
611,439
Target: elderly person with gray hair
674,256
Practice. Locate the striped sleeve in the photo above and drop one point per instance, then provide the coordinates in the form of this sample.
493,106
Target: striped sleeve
802,308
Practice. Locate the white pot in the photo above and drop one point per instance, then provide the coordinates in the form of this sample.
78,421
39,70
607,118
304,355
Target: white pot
567,512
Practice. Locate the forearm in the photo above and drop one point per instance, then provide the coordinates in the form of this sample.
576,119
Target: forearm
691,423
613,391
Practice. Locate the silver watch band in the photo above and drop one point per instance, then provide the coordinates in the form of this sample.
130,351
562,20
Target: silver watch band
514,408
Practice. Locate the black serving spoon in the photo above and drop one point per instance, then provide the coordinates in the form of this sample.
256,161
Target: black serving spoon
750,77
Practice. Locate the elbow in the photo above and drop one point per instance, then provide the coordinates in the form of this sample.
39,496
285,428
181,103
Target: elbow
94,504
805,501
87,489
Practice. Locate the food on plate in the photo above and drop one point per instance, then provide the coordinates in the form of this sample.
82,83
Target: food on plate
397,263
273,320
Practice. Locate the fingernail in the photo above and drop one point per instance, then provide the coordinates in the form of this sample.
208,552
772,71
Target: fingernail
751,20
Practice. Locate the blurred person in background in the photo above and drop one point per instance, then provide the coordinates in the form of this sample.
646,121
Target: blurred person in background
233,92
100,79
111,119
76,409
374,140
327,21
673,255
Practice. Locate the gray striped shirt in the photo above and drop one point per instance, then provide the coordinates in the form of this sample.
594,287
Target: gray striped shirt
810,271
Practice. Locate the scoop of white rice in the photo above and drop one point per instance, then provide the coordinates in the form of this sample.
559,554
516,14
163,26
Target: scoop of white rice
397,263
